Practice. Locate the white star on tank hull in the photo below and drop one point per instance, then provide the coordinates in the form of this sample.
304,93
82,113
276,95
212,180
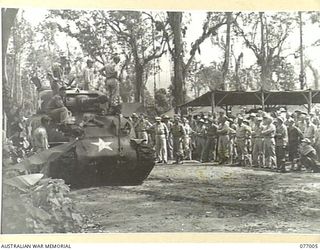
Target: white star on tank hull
102,145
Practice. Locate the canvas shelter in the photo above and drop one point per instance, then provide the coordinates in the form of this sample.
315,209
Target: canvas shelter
264,98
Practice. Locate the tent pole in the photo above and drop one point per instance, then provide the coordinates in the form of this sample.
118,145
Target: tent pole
309,101
212,102
262,100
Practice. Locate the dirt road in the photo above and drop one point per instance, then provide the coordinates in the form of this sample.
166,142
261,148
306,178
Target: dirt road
203,198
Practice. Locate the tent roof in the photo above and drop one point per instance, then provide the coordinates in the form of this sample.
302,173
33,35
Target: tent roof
255,98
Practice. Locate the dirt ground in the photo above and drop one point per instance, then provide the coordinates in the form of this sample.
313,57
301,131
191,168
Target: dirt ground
206,198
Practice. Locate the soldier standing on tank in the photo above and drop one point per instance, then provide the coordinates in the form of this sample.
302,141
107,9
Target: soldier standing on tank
257,144
224,140
268,134
177,131
281,139
109,71
88,75
161,134
142,127
243,133
60,74
168,123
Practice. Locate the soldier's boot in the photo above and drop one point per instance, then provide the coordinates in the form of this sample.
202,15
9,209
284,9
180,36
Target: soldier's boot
177,161
240,163
282,168
248,161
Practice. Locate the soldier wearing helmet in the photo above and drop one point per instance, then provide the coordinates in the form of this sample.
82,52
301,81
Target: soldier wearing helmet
168,123
281,139
268,134
210,144
177,131
110,72
201,139
161,134
243,133
224,140
135,119
310,129
60,75
56,108
257,144
294,138
187,139
142,128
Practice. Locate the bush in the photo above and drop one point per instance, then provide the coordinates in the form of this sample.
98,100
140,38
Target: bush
44,207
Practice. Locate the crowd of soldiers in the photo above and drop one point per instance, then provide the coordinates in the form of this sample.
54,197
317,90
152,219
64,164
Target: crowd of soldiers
256,139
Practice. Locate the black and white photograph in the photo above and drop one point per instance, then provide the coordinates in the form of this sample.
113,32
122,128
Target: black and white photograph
160,121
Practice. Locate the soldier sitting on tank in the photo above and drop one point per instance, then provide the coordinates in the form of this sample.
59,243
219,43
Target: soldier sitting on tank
57,111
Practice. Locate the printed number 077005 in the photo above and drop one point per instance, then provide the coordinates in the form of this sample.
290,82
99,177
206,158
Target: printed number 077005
309,246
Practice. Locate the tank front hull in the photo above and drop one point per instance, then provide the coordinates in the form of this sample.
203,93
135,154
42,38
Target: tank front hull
104,170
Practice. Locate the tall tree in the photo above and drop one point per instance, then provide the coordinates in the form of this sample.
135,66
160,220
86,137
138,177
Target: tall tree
315,74
103,34
135,29
162,101
174,35
274,30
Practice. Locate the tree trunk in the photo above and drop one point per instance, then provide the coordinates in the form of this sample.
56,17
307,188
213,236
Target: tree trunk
175,21
225,66
237,68
302,74
315,74
7,19
262,59
7,16
139,82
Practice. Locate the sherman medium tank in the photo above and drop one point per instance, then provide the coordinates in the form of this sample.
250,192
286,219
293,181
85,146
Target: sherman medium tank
106,151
